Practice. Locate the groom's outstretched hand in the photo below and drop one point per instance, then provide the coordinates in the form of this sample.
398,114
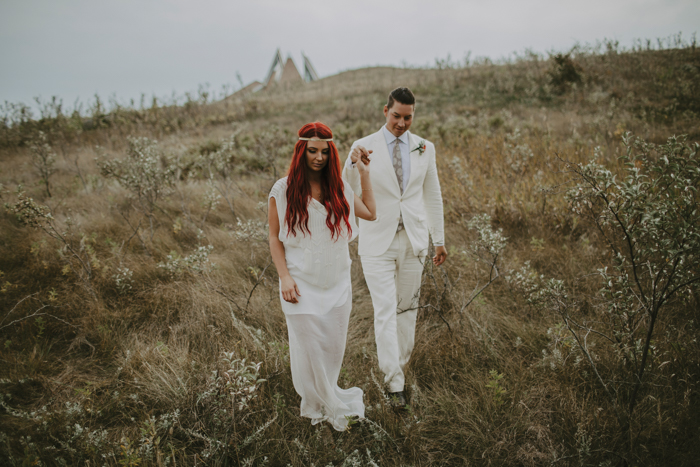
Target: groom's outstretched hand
440,255
360,153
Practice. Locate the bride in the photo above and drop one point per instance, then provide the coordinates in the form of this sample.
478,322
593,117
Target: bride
312,218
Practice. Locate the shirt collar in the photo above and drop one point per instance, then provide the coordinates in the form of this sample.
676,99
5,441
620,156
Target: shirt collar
390,138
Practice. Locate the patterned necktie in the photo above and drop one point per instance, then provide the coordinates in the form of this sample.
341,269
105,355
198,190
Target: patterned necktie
398,169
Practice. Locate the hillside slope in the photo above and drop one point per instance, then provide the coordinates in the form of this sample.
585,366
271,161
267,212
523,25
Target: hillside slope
141,322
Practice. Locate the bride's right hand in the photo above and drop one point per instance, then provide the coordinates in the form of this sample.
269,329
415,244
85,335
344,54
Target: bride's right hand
289,290
361,155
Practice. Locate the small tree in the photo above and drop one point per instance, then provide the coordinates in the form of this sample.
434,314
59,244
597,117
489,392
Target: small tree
268,146
486,249
650,221
43,159
217,167
145,172
76,251
564,72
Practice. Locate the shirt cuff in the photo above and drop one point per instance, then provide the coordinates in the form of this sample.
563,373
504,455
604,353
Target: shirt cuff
438,244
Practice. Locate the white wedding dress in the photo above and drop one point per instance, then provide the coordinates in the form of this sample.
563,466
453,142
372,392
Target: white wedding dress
318,324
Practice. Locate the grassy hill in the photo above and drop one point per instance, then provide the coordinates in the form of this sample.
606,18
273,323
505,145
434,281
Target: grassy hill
140,318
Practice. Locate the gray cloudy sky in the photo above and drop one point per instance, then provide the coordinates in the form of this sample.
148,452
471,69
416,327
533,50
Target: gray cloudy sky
76,48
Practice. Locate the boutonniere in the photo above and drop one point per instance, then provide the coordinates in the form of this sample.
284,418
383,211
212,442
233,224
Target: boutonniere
420,148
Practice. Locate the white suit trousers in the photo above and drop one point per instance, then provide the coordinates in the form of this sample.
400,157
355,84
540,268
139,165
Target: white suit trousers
394,280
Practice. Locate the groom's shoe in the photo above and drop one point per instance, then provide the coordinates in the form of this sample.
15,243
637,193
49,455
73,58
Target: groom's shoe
397,399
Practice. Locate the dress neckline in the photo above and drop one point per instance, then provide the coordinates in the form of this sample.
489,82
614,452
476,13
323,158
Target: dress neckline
317,204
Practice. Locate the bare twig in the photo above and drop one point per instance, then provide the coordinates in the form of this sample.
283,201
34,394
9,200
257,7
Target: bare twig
228,202
136,232
583,345
37,314
16,305
229,298
480,290
260,278
129,240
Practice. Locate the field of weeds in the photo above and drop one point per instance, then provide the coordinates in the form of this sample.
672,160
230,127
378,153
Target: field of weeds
140,322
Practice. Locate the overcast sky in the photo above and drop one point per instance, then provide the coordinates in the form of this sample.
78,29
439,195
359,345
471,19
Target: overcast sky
76,48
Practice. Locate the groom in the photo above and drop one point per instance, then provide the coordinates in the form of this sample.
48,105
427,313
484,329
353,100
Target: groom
394,246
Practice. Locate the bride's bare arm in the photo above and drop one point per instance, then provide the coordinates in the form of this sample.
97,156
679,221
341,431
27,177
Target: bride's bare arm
365,207
288,287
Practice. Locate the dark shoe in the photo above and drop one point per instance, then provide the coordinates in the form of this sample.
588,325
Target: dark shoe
397,399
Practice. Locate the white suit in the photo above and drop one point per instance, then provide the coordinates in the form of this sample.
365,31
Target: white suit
393,261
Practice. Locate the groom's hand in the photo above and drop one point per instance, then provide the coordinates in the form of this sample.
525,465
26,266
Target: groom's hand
440,255
360,153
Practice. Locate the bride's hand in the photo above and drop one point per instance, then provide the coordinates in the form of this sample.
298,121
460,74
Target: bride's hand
289,290
360,154
363,166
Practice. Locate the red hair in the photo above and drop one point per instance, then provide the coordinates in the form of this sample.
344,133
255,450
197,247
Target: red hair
299,189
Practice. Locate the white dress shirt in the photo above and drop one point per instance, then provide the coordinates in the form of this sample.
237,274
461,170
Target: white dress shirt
405,153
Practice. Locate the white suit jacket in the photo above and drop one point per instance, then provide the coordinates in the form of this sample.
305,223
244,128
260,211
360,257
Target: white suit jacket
420,205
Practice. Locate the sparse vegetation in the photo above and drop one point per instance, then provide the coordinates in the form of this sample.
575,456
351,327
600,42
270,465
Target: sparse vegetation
43,159
141,324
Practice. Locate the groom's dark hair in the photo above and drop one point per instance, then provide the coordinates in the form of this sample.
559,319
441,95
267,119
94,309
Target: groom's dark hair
402,95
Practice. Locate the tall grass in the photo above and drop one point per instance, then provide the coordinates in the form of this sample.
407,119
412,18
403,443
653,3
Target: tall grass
173,349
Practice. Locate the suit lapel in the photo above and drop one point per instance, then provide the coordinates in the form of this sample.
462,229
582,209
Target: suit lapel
414,158
383,159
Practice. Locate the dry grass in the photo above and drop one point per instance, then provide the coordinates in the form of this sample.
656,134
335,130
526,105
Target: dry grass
135,374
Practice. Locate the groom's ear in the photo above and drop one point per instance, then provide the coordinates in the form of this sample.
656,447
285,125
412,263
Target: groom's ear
386,110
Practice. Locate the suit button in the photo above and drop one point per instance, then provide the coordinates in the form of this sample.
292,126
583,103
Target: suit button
398,218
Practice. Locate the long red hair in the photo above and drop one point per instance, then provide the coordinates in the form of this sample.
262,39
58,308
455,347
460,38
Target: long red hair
299,189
